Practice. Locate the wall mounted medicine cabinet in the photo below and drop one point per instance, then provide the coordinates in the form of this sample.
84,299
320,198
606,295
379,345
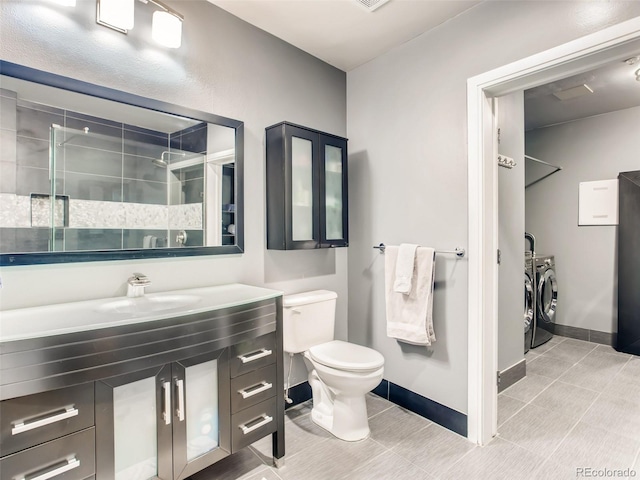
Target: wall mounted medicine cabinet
307,203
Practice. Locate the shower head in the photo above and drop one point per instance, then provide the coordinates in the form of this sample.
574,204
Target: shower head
161,162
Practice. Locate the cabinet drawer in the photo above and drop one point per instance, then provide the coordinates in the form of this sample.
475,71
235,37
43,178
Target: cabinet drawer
252,354
68,458
252,424
34,419
253,387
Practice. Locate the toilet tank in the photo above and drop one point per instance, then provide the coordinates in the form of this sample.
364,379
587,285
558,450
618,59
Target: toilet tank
308,319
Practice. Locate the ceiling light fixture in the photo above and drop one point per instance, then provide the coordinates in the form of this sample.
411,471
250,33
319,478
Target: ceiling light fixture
574,92
371,5
116,14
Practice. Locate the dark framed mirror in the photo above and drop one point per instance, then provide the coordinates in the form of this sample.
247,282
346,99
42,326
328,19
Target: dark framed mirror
90,173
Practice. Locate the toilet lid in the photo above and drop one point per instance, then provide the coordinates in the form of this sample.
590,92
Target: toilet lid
346,356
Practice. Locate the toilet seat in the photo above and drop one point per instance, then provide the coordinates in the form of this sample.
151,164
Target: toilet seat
346,356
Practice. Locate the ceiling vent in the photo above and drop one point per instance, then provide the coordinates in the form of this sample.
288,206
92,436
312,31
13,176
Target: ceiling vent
574,92
371,5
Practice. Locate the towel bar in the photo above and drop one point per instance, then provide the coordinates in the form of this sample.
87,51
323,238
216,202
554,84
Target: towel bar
459,252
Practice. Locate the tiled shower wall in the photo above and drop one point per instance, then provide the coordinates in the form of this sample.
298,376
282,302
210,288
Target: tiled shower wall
114,173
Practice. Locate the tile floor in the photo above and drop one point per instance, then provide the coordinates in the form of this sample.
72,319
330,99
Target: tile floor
578,407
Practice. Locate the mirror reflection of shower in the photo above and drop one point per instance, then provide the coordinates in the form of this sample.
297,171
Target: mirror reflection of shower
162,162
85,130
170,197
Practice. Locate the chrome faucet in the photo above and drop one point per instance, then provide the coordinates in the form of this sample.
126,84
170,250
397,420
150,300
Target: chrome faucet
136,284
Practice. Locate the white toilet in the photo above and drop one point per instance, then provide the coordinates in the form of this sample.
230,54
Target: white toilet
340,373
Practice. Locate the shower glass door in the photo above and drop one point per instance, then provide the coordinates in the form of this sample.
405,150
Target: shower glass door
119,189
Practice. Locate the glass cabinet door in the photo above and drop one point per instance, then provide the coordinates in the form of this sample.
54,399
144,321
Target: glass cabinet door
301,189
201,412
304,196
333,193
164,423
133,426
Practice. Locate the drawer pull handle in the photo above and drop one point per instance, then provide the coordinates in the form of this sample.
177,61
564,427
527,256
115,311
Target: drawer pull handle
69,465
25,427
255,356
166,416
180,409
264,386
265,419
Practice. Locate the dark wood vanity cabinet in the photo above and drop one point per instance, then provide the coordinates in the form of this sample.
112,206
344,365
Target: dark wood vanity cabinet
254,403
48,435
307,197
170,398
167,422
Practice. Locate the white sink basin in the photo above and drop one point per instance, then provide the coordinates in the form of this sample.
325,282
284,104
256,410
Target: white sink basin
148,304
63,318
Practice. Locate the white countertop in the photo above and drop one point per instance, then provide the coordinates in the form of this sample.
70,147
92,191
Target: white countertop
44,321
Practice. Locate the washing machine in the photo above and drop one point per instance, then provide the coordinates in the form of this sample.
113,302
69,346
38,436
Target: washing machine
529,300
546,299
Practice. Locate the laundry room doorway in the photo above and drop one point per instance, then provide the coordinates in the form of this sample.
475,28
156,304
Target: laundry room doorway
614,43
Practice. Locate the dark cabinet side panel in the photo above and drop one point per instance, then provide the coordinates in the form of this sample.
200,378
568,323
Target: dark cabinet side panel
276,190
628,339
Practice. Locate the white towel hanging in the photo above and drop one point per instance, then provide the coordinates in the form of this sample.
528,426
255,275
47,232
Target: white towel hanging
410,317
404,268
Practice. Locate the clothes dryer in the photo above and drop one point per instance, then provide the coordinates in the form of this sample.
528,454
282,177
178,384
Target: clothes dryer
529,300
546,294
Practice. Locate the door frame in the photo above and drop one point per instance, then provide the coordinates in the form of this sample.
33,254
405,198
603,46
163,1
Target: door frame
617,42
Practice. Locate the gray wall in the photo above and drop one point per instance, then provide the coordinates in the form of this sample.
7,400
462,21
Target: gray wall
407,126
225,66
595,148
511,232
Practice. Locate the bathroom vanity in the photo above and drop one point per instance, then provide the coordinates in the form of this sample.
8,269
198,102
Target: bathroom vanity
160,386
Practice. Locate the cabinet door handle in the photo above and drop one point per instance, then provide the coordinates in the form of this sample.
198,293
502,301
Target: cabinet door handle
25,427
265,419
69,465
166,387
255,355
248,392
180,409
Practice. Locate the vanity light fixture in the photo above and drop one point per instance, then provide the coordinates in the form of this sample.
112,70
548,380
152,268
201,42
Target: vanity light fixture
115,14
166,28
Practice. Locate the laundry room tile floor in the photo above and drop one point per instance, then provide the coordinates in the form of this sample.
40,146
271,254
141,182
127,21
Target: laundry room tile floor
578,407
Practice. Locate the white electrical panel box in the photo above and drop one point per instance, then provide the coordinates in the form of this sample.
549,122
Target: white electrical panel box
598,203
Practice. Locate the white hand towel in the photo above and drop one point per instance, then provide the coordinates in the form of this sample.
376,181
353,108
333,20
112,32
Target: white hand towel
410,317
404,268
146,241
154,242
